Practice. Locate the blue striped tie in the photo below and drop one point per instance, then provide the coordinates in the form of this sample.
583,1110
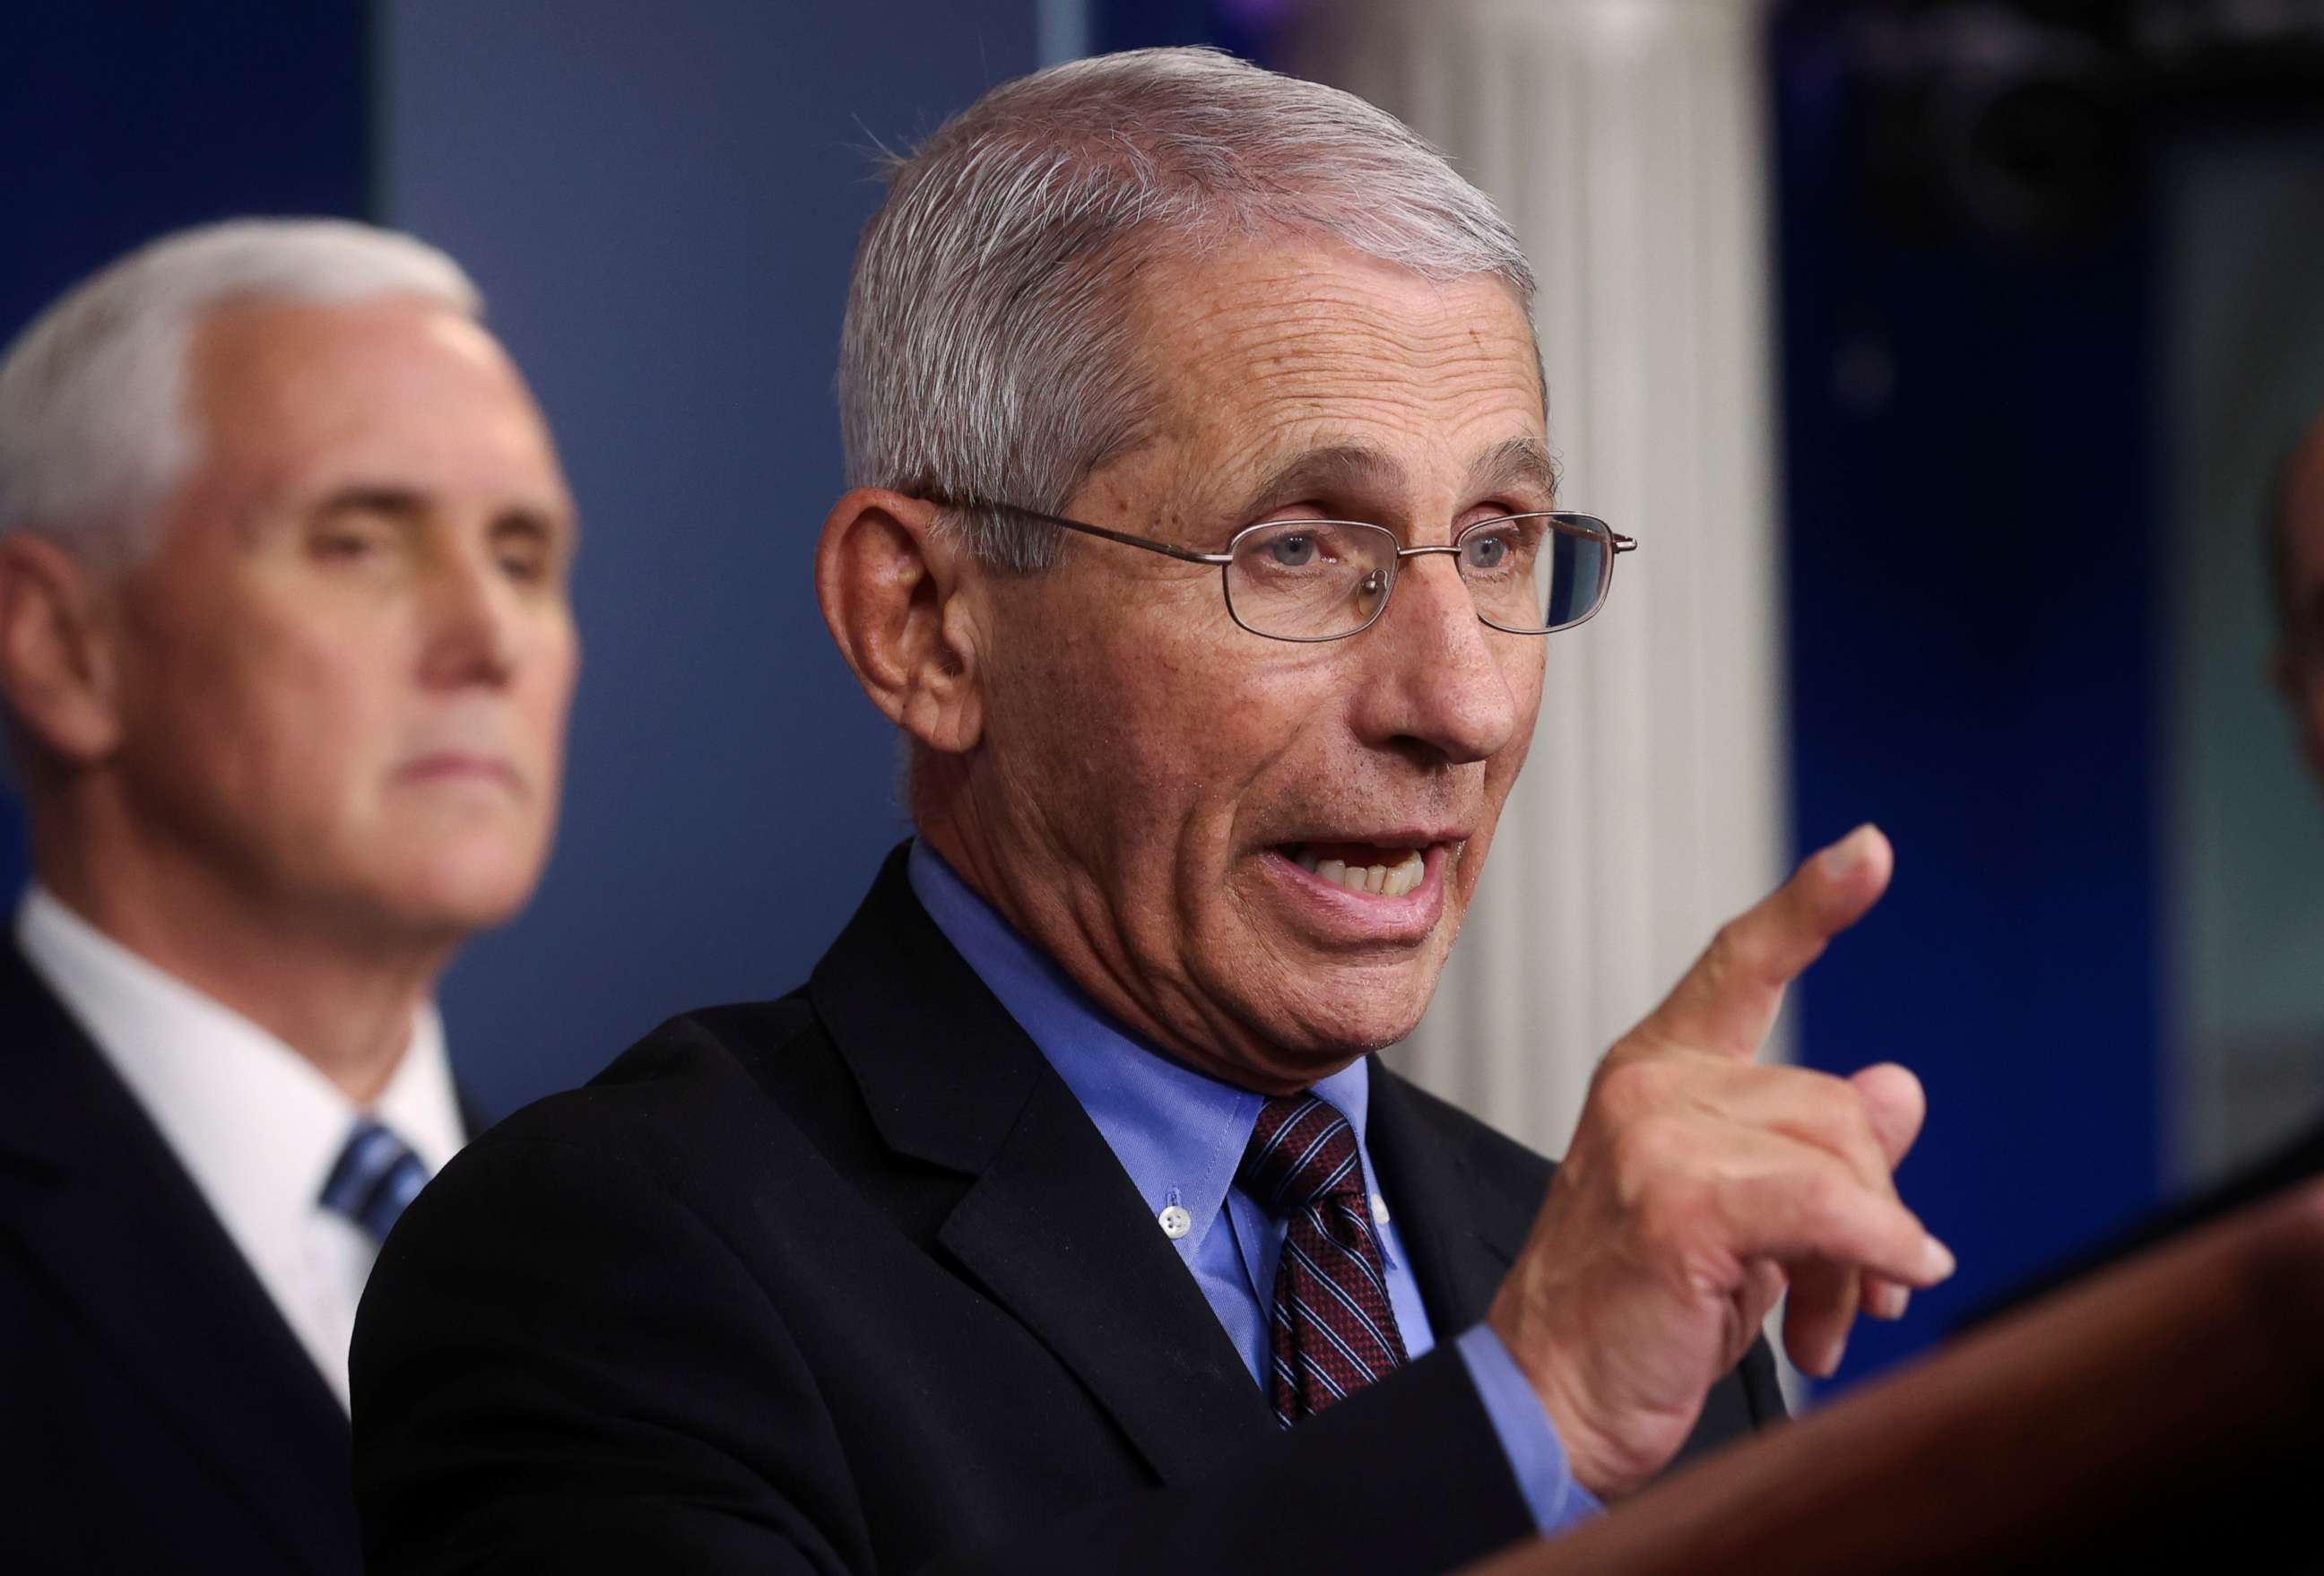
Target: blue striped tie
376,1176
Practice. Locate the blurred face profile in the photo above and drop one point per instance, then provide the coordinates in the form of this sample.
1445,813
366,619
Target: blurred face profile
344,671
2302,663
1267,845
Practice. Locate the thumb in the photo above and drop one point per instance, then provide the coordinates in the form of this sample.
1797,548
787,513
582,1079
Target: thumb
1728,1000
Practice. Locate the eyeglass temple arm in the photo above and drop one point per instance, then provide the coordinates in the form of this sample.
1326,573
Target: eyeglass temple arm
1182,554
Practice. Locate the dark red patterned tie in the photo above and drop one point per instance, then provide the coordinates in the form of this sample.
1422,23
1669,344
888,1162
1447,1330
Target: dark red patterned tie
1333,1331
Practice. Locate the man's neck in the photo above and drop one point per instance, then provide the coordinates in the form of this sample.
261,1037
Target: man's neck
346,1004
1083,943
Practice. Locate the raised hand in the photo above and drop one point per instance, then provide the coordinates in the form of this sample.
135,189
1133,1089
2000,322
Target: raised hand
1699,1184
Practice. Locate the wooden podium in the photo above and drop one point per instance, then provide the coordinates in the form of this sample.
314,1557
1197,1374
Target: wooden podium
2167,1414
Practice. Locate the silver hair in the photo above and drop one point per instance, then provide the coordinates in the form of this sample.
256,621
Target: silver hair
94,424
988,352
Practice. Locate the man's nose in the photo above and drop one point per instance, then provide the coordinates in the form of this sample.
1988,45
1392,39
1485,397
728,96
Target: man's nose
470,620
1436,680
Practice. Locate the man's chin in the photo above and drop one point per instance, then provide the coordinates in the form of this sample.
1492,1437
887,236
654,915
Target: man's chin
1310,1037
455,897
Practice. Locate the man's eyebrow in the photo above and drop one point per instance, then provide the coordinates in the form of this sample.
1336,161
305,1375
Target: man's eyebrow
530,517
1519,462
1339,471
412,502
372,498
1343,470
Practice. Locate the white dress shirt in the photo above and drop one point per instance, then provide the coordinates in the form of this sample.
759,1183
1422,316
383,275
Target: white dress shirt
256,1125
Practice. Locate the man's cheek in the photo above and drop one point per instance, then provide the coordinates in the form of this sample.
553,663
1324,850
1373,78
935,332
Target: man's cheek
1250,723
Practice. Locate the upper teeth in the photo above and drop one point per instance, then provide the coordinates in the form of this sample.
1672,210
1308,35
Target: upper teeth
1387,880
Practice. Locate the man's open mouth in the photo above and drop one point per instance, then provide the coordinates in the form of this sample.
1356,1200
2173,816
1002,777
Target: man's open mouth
1381,869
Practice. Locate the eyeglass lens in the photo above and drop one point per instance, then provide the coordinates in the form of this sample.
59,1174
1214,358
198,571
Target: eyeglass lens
1315,580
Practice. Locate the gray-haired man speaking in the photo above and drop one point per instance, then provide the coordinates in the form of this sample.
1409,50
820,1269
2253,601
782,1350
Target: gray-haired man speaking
1203,546
286,654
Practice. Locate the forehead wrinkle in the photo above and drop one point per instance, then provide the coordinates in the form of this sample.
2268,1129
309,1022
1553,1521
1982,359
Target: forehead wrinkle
1333,351
1260,433
1312,366
1254,369
1303,320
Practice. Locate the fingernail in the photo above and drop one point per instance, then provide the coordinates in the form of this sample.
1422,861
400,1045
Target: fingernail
1843,856
1831,1363
1936,1260
1889,1301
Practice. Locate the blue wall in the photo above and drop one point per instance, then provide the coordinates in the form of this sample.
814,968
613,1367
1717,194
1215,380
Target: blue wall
1973,494
119,120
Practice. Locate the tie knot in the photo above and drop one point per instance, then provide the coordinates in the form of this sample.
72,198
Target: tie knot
376,1176
1302,1152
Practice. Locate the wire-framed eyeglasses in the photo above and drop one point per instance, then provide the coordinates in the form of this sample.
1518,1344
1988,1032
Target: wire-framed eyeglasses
1312,580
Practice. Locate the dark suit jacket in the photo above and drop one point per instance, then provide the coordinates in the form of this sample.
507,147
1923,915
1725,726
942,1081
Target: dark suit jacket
849,1282
156,1413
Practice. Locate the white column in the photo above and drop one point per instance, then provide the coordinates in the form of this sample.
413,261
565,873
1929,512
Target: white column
1061,30
1626,141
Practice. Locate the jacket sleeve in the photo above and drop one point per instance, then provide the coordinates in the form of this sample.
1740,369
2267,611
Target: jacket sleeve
559,1365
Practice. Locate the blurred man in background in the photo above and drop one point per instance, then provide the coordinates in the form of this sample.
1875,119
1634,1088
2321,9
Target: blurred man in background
1203,546
2296,552
2295,561
286,655
2293,550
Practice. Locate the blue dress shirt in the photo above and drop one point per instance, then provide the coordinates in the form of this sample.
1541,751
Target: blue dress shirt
1180,1135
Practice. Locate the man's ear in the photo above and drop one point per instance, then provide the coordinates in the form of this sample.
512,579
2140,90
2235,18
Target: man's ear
56,673
892,587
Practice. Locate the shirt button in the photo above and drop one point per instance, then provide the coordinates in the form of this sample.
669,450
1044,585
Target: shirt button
1175,1222
1379,1211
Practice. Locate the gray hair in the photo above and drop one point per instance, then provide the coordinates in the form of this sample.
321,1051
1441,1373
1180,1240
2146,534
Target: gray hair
95,428
988,356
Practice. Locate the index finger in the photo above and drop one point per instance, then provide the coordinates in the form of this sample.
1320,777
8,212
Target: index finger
1728,1000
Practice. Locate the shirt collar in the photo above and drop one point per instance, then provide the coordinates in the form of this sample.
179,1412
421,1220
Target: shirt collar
1179,1134
421,1104
257,1125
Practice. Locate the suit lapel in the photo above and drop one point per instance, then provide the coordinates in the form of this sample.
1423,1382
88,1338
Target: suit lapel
1459,1235
120,1232
1051,1227
1055,1232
